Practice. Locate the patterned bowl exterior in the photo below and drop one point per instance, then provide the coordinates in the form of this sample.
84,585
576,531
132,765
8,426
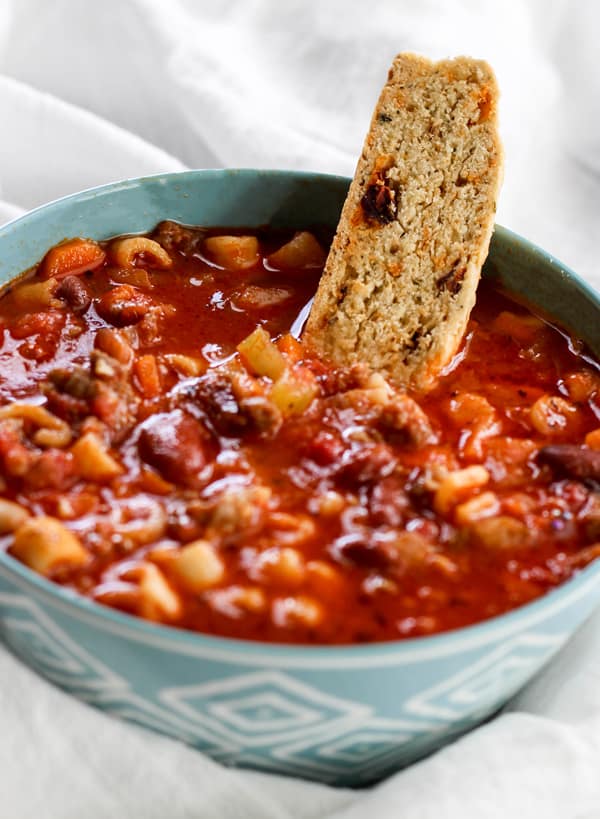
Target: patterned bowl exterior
343,715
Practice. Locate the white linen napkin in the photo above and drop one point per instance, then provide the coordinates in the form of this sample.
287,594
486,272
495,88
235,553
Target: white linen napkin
86,92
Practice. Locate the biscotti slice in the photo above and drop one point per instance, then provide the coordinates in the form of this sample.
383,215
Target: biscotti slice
400,280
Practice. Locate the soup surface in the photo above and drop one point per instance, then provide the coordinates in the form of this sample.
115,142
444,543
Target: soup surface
169,448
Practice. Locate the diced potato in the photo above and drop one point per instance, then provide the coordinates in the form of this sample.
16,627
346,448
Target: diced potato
43,543
139,250
261,355
582,385
158,601
553,415
198,566
294,391
233,252
453,485
301,251
71,259
92,461
12,515
37,295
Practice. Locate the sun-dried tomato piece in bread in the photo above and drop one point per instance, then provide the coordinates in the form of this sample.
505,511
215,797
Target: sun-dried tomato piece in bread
401,276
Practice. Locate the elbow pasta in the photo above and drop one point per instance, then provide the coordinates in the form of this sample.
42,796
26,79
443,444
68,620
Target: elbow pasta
158,601
138,249
455,484
170,447
51,431
44,543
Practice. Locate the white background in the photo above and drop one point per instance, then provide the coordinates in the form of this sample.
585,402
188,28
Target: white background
96,91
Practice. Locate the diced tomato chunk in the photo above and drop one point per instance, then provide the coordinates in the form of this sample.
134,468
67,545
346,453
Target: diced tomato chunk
123,305
53,469
325,448
46,322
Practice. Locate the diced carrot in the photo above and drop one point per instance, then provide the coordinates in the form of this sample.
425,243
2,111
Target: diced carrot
153,482
291,348
592,439
37,295
71,259
147,376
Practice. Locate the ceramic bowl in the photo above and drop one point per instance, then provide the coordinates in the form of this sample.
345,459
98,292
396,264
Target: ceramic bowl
345,715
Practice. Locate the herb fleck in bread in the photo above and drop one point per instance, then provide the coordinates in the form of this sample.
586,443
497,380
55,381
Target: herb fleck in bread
401,276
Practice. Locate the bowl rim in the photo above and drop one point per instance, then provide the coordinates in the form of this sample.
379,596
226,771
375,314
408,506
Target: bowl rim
254,652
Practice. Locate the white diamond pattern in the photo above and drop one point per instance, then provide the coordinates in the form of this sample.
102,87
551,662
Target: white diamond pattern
270,719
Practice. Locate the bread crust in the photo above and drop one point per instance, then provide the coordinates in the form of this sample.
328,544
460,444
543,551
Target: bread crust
402,273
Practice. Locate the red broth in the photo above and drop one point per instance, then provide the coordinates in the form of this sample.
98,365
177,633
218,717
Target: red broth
259,493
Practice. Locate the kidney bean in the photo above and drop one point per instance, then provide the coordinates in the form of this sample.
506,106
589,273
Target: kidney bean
74,292
325,448
175,444
358,549
572,461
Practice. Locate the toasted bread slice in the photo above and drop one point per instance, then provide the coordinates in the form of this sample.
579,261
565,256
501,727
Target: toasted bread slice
400,280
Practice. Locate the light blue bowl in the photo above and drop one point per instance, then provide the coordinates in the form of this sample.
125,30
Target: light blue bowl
345,715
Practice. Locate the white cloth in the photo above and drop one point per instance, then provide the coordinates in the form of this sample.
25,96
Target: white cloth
86,92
